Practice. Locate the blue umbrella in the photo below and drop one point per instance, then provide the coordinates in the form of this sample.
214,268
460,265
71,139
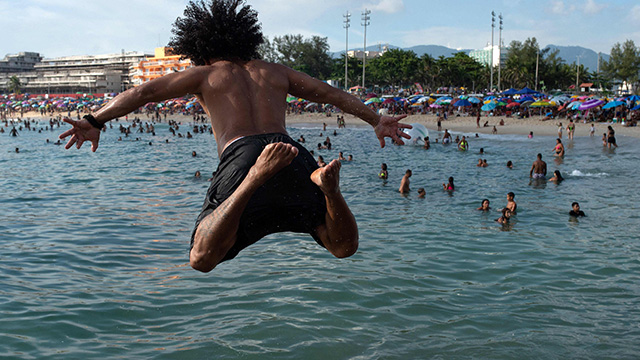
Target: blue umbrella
490,106
463,102
633,98
613,104
636,108
474,100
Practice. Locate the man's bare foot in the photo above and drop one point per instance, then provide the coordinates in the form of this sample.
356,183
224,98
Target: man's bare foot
273,158
328,177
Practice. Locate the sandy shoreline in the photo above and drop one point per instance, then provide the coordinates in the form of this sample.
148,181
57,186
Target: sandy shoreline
465,124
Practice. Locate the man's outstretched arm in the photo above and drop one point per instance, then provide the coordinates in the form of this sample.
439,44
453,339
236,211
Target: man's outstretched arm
307,87
163,88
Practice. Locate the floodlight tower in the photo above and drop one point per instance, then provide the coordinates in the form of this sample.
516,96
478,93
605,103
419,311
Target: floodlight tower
493,25
365,23
500,53
347,21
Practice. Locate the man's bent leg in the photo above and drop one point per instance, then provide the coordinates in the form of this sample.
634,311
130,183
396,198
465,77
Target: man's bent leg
339,234
216,233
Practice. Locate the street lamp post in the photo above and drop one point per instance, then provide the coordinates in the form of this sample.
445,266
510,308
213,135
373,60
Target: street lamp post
577,73
365,23
500,54
347,20
493,25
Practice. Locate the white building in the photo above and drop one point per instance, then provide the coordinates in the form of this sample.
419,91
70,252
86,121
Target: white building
110,73
484,56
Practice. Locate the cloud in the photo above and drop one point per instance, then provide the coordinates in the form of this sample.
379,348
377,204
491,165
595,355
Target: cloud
387,6
634,14
557,7
591,7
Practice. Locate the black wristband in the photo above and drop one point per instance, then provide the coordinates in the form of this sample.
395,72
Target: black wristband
93,121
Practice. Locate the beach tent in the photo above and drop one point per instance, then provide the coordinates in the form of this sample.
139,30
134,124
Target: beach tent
525,90
511,91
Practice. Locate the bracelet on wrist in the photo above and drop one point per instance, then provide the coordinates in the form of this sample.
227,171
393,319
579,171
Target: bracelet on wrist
93,121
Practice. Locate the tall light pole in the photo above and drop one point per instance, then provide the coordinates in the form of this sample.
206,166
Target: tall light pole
500,54
347,20
577,73
365,23
493,25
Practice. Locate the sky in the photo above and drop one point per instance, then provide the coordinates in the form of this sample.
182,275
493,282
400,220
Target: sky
56,28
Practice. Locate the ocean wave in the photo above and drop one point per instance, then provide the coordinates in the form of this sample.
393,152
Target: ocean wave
580,173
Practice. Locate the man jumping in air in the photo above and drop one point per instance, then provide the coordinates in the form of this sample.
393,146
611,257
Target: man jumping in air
265,182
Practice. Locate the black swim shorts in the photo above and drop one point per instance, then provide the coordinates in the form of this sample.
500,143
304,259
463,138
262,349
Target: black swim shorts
289,201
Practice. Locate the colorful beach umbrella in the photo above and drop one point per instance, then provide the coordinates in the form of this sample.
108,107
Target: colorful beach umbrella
488,107
613,104
463,102
590,104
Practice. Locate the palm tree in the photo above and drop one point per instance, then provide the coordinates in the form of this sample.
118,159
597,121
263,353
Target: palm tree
14,85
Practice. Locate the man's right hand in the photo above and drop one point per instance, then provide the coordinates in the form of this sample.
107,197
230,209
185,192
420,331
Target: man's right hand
82,131
390,127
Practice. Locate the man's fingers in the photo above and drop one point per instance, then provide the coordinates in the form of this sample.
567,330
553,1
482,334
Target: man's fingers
67,133
69,121
398,118
71,142
405,126
94,145
381,142
405,135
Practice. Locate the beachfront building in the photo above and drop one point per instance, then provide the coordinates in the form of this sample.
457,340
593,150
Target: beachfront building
164,62
369,54
109,73
483,56
20,62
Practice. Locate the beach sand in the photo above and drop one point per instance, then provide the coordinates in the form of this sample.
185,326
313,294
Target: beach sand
465,124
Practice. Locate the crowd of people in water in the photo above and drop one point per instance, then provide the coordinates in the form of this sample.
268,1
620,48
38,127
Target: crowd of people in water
200,125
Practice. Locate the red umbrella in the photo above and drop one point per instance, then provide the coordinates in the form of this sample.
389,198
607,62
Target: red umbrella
513,104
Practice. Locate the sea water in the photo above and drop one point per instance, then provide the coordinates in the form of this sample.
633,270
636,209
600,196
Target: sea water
94,256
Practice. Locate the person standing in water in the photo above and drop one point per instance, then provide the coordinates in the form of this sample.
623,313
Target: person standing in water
265,181
538,169
404,183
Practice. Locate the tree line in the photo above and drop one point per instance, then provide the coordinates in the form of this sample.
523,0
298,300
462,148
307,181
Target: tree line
402,68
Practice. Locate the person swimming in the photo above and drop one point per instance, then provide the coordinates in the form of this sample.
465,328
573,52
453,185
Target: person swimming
446,138
484,206
506,216
559,148
463,145
449,186
384,174
557,177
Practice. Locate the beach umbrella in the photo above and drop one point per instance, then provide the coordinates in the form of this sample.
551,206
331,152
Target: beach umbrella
463,102
590,104
540,103
526,103
435,106
422,100
488,107
613,104
513,104
388,101
474,100
633,98
373,100
310,105
635,108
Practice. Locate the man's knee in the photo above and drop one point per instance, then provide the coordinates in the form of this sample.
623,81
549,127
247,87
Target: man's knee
201,261
346,249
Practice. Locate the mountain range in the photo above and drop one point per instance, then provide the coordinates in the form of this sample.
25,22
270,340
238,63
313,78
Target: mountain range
569,54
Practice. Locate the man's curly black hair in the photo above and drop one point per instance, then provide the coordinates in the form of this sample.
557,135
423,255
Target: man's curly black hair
218,29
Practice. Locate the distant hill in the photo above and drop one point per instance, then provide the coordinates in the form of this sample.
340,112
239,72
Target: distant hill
588,57
569,54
